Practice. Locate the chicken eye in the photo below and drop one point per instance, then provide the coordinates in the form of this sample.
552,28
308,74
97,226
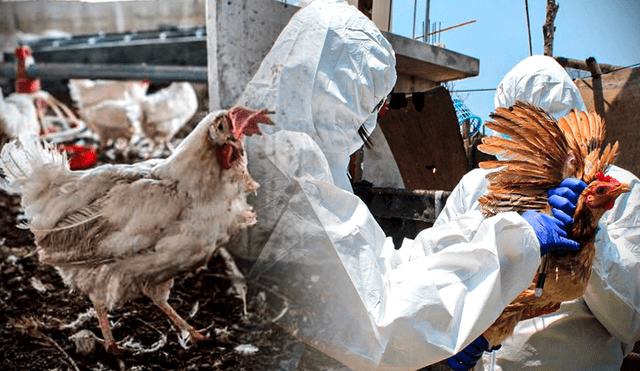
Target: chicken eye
220,126
600,190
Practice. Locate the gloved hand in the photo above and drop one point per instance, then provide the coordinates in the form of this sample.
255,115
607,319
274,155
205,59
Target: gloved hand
564,198
467,358
550,232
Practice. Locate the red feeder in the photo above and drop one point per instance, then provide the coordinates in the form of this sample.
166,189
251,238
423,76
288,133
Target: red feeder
24,59
80,157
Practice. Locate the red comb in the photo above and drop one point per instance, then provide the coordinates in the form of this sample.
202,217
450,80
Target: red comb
603,178
245,121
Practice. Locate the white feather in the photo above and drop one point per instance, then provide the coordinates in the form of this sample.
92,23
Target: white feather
28,160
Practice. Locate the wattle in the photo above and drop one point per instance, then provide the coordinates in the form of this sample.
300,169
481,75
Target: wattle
227,155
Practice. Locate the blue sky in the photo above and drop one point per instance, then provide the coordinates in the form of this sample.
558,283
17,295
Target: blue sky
608,30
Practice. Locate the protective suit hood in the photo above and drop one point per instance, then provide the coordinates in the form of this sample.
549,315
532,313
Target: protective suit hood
325,76
540,80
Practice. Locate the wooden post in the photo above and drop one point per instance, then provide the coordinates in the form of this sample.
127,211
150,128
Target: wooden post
598,92
355,166
548,28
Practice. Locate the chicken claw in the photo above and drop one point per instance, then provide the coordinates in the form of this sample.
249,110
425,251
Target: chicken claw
109,342
191,335
159,295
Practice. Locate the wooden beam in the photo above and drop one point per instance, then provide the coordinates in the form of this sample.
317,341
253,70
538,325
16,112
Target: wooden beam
583,66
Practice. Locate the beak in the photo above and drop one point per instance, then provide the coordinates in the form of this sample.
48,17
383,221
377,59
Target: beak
624,188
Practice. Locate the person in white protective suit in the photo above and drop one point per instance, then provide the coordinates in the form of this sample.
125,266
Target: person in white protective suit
598,330
332,276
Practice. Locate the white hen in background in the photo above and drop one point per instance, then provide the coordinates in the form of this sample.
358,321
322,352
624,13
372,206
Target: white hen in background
166,111
122,109
110,108
17,115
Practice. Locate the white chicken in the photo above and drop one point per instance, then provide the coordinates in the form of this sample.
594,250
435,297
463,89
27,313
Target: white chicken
122,110
111,109
17,115
112,120
117,231
166,111
88,93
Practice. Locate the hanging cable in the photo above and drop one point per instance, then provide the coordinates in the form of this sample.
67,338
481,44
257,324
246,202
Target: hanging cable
526,6
622,68
472,90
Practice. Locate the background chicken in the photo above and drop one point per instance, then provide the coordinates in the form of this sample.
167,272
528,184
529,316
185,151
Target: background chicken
112,120
109,108
117,231
122,110
17,115
539,155
166,111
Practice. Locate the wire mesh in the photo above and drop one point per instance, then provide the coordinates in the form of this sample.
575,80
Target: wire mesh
464,114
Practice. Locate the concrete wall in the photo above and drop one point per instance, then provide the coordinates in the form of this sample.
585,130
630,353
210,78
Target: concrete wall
381,14
240,33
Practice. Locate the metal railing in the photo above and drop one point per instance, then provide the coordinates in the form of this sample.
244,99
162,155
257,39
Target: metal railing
154,74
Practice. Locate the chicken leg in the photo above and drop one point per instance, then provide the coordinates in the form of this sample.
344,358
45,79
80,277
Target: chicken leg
159,294
109,342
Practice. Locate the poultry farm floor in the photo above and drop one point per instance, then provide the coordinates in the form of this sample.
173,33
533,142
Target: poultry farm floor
39,315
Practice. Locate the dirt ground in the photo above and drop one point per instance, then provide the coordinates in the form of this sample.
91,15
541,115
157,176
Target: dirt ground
39,317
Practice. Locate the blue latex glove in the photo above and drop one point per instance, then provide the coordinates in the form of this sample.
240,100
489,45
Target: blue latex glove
550,232
564,198
467,358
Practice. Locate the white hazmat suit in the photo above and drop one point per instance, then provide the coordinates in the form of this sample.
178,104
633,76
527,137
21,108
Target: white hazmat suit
598,330
333,278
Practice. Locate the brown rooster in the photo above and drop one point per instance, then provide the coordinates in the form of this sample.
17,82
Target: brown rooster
540,153
117,231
